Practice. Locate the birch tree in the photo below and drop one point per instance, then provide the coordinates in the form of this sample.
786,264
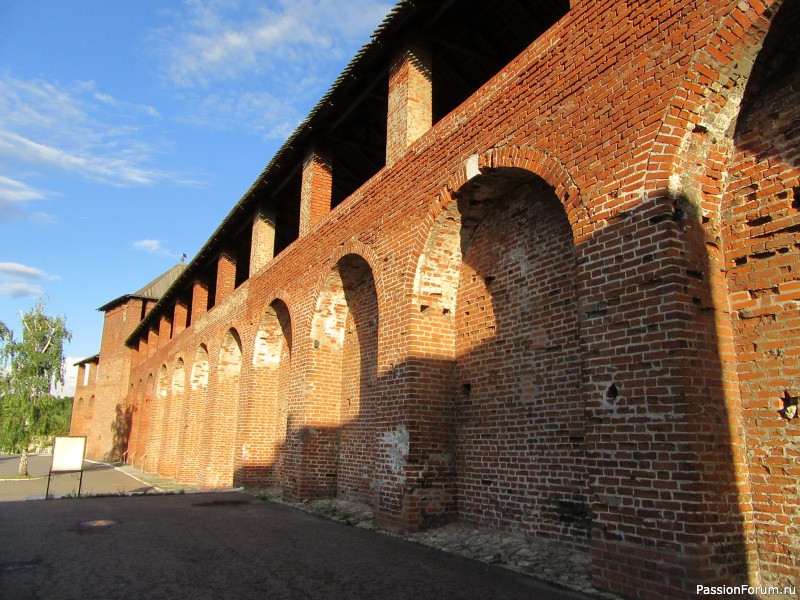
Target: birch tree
29,369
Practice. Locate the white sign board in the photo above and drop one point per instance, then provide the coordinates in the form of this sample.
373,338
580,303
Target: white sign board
68,453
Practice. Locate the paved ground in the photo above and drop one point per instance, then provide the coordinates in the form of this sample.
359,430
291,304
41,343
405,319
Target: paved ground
226,545
98,478
540,559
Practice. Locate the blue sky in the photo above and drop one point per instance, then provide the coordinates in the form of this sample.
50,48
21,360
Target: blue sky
128,129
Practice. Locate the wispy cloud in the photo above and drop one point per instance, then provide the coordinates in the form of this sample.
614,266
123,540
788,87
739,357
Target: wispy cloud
290,47
124,169
20,290
20,271
14,195
153,247
21,281
75,129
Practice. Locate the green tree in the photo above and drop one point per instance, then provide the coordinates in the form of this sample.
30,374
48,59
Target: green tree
31,367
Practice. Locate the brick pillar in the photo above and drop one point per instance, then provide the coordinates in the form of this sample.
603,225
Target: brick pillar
152,342
410,99
164,330
180,314
92,373
226,277
316,189
81,376
199,300
142,349
133,353
262,248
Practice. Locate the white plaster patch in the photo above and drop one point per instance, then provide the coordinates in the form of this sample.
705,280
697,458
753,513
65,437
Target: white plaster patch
397,446
267,352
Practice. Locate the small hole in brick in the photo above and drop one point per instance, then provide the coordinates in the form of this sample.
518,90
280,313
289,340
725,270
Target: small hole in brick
796,198
423,307
466,388
489,279
445,311
758,221
612,392
695,274
316,343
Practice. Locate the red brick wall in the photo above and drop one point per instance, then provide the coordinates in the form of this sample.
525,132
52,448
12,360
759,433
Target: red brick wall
626,251
520,433
761,216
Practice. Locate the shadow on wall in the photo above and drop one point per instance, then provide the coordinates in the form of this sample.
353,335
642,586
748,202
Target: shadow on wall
762,223
573,393
120,432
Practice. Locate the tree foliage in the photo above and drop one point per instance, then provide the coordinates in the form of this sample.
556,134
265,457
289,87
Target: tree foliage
29,369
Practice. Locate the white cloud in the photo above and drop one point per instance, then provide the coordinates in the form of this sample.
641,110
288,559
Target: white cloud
153,247
12,191
19,271
20,290
124,169
272,117
293,48
75,129
21,281
14,195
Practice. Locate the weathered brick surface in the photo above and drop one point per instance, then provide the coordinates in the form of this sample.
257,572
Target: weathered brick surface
568,308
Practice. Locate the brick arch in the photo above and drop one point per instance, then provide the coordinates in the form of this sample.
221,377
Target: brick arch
263,414
174,417
495,160
365,253
274,297
341,388
200,366
145,419
221,413
158,413
497,330
694,132
506,159
538,162
190,444
759,221
229,363
178,381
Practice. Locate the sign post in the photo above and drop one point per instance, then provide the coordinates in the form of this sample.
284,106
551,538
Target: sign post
68,453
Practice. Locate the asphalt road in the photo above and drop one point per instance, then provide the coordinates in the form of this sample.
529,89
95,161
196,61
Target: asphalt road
98,478
225,545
